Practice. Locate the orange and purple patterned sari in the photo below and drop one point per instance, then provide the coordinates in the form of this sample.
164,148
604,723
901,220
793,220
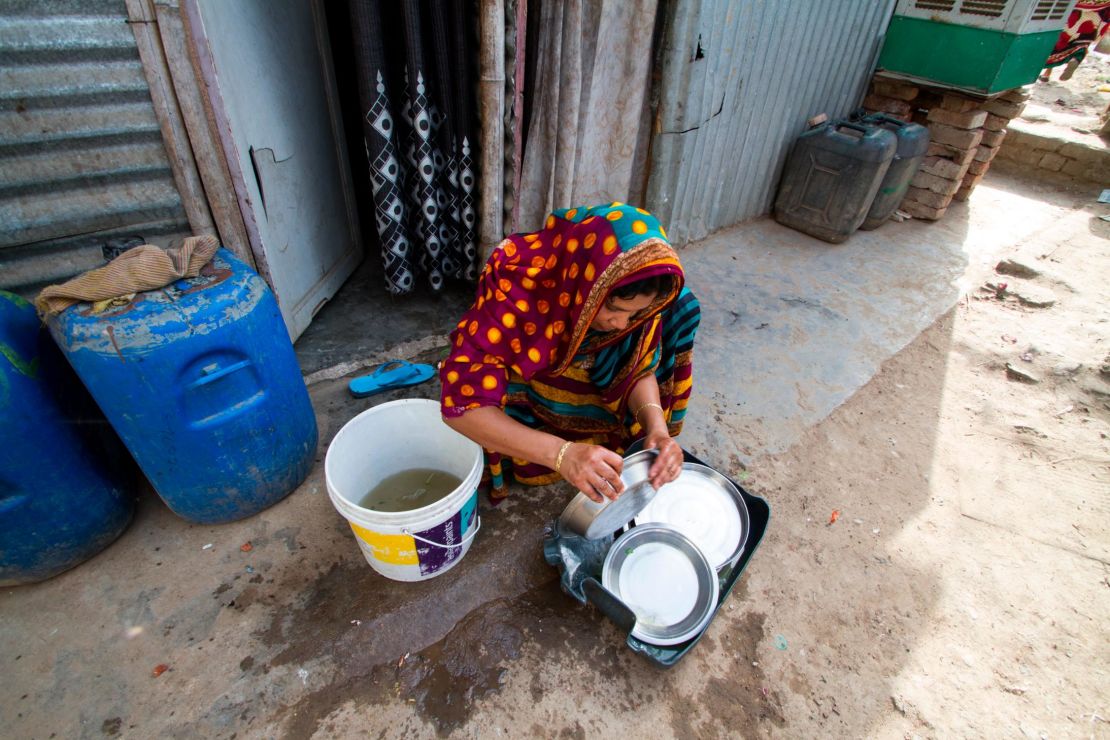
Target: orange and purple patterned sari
526,345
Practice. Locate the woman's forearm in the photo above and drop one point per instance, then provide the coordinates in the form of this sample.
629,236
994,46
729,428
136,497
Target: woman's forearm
643,401
493,429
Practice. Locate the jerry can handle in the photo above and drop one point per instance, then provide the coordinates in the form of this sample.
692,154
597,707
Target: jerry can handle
853,126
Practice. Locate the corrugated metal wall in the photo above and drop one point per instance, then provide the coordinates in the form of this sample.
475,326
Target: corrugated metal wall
738,80
81,154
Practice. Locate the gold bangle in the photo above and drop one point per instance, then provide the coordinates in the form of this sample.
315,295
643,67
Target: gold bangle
636,413
559,457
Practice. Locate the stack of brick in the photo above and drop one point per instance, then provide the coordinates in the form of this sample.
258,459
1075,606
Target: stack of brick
892,97
964,135
1000,111
955,131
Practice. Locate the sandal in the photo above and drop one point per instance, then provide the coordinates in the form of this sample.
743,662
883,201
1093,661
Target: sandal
393,374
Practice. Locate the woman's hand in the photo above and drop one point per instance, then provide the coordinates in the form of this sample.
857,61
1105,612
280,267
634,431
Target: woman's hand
668,463
593,470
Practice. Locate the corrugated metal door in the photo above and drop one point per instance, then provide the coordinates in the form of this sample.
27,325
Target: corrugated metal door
738,80
81,153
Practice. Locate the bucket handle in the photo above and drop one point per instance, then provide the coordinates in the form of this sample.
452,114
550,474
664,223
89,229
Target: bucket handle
467,538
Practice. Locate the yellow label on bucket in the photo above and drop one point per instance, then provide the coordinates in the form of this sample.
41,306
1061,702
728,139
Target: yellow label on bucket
395,549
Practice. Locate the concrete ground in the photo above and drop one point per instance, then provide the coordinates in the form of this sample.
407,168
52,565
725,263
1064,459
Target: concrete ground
942,599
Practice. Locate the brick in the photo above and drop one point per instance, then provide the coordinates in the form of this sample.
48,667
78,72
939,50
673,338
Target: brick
995,123
1095,174
1052,161
1083,171
1017,95
896,90
956,137
1024,139
957,155
1074,168
978,168
1031,157
972,180
1004,108
965,120
959,103
1074,151
917,210
927,198
899,108
941,185
942,167
1092,156
1017,137
987,153
993,138
962,194
1048,143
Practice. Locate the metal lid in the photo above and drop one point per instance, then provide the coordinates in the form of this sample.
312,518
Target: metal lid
665,580
706,507
591,520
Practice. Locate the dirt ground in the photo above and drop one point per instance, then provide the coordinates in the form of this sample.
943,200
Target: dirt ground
961,590
1072,105
974,505
937,565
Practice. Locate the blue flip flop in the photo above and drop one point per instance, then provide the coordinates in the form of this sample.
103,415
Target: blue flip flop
391,375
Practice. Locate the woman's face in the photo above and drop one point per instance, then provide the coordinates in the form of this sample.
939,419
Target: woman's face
617,313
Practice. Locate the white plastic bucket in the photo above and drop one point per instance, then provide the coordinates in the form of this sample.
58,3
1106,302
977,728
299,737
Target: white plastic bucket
388,439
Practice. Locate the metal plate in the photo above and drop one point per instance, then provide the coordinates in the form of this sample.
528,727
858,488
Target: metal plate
658,573
591,520
706,507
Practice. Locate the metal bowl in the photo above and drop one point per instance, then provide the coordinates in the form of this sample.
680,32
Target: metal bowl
592,520
706,507
665,580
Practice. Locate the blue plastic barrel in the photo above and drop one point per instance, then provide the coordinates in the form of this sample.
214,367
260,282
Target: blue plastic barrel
831,177
201,383
60,500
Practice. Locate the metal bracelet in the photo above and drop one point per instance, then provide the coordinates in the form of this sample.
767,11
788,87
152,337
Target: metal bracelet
559,457
636,413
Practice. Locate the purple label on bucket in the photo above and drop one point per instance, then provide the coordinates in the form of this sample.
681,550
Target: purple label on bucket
450,534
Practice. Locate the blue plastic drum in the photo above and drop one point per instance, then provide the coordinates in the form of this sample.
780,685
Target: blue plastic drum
201,382
60,500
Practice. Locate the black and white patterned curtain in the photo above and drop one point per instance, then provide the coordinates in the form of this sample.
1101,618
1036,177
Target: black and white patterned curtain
416,64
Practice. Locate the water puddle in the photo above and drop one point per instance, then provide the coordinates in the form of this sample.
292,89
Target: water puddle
447,680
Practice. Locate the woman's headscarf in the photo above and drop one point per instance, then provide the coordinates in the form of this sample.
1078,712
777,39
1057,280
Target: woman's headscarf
540,292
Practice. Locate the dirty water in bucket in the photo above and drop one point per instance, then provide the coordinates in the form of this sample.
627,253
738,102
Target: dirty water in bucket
410,490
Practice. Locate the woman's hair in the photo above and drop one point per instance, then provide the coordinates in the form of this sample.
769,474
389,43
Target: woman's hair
654,285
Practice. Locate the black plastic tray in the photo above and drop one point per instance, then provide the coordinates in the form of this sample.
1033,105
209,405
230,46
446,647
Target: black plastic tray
579,562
